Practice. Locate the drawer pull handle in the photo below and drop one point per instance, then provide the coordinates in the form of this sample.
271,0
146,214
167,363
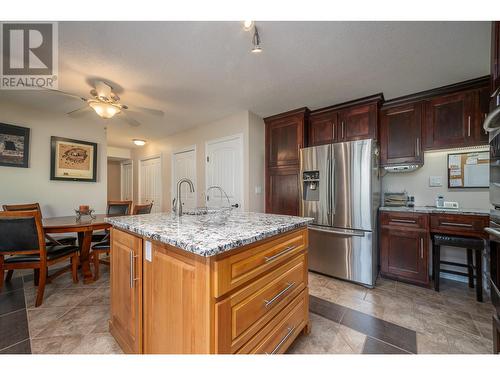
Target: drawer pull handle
404,221
288,334
283,252
463,225
268,303
421,248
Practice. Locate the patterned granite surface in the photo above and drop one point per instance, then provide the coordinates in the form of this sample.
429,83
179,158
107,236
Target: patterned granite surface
189,234
433,210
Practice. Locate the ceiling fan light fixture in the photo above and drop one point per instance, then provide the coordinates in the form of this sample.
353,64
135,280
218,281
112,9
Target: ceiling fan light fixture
139,142
256,41
247,25
104,110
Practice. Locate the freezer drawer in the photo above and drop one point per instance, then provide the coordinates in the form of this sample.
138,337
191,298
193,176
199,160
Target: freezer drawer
346,254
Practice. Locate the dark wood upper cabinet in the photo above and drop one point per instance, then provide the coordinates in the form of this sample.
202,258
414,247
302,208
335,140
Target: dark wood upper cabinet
450,121
283,191
322,128
484,109
495,57
285,135
359,122
349,121
400,135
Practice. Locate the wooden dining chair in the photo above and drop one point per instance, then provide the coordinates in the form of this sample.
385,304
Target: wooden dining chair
118,208
23,246
142,209
49,240
104,246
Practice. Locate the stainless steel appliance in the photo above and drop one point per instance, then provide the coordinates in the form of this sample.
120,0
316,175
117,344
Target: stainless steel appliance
340,189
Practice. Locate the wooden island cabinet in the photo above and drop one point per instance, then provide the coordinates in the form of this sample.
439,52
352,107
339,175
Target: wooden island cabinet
253,299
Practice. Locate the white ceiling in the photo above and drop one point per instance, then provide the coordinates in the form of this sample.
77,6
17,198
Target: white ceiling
198,72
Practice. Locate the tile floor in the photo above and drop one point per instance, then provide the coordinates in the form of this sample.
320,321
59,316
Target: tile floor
346,318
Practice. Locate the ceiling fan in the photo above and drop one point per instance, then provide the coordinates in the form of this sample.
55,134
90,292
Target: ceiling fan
107,104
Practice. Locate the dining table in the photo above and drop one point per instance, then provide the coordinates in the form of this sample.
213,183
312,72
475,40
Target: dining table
84,227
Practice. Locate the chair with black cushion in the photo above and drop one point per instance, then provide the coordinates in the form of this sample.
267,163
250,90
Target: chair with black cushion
22,246
103,245
142,209
474,269
118,208
49,240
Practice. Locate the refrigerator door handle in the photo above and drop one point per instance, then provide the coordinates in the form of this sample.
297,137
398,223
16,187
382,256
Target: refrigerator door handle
345,232
331,188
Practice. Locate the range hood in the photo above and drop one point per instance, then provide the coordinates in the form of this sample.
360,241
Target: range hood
402,168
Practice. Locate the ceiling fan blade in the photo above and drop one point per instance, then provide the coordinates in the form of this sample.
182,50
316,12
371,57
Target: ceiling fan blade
128,119
151,111
78,112
67,94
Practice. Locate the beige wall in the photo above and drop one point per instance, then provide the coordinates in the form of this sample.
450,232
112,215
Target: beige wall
114,180
33,184
253,139
417,183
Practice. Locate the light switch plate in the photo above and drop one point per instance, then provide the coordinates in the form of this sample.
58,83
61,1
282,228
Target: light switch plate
435,181
148,254
258,190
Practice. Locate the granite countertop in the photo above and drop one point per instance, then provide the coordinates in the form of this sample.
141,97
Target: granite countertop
434,210
188,233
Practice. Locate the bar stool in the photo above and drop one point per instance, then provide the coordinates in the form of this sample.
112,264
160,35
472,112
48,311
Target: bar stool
469,243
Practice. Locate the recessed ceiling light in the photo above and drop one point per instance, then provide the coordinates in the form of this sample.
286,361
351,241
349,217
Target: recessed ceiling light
247,25
139,142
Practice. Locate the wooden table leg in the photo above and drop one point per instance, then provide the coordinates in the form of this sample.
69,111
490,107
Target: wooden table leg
84,241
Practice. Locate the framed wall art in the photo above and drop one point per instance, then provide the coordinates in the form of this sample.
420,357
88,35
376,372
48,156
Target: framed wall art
14,146
73,160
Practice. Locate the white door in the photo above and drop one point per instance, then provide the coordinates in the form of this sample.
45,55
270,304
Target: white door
150,183
184,166
126,181
224,168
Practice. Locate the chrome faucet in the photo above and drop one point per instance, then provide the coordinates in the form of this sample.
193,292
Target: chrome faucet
177,204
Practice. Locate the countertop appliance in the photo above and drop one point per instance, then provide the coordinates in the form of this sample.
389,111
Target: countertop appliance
340,189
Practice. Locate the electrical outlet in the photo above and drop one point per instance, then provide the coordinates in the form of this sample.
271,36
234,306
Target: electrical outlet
435,181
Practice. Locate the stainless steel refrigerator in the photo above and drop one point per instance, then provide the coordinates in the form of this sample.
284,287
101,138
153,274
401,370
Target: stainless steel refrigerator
340,189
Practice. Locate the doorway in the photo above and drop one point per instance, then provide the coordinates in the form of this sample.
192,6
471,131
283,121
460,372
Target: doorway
184,166
150,183
224,168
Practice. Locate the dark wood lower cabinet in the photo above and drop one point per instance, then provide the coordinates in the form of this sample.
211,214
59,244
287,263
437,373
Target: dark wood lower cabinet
282,191
404,255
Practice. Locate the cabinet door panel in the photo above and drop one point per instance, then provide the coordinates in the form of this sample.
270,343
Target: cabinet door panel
283,191
285,136
484,109
400,135
358,123
450,121
126,290
404,254
322,129
495,55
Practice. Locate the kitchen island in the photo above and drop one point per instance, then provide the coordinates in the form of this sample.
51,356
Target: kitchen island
179,285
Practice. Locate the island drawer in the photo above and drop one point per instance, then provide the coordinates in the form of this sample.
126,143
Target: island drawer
277,336
247,311
405,219
462,225
237,269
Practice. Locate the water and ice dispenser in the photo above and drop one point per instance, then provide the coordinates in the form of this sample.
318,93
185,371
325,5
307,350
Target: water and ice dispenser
310,179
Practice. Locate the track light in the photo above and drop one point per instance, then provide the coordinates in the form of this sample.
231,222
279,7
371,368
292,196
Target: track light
256,41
